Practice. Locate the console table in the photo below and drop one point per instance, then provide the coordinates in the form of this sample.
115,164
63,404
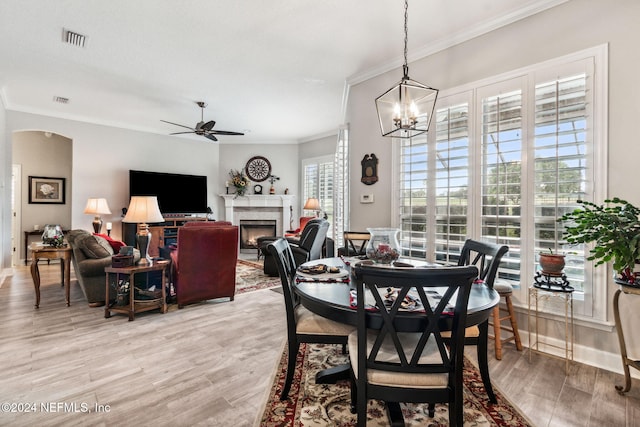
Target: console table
26,241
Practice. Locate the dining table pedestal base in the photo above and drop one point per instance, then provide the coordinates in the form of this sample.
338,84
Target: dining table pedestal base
333,375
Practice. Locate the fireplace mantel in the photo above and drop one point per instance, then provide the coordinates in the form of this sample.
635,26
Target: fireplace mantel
256,202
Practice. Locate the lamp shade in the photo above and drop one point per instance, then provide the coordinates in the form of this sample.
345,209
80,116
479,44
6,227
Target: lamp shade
143,209
97,207
312,204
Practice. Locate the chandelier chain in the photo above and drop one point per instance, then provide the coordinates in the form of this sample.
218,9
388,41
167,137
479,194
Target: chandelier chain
405,67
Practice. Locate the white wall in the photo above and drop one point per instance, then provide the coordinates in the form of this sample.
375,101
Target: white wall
284,164
102,157
570,27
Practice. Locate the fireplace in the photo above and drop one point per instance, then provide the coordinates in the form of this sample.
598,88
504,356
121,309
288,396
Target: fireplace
251,229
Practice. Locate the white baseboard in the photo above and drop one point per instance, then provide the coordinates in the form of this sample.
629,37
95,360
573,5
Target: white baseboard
587,355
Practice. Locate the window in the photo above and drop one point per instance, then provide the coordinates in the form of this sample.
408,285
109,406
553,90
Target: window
318,183
504,159
341,187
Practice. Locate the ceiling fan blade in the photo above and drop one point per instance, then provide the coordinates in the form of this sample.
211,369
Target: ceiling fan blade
208,126
180,133
226,132
210,136
176,124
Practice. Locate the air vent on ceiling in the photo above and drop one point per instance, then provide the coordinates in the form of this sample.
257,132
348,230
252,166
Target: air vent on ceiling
73,38
61,99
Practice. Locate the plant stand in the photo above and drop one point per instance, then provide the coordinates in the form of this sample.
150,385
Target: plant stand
626,362
538,293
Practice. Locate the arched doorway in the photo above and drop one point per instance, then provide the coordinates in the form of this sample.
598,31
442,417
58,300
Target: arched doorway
38,154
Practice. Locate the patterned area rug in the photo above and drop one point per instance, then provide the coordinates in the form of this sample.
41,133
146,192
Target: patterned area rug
329,405
249,277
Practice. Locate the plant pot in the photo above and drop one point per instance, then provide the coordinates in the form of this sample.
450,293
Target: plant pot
552,264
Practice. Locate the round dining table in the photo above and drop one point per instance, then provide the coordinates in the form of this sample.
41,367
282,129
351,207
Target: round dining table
329,296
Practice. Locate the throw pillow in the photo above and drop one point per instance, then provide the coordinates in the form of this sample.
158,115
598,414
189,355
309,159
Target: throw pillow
95,247
115,244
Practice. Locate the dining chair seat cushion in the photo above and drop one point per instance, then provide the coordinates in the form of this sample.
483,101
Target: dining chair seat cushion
312,324
503,288
388,353
470,332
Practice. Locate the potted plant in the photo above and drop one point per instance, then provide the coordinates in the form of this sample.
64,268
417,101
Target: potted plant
552,264
614,228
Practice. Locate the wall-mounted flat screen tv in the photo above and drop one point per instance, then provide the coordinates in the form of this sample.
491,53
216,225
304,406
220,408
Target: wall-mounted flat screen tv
177,193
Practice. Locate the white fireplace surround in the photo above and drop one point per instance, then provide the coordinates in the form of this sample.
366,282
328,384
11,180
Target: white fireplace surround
267,206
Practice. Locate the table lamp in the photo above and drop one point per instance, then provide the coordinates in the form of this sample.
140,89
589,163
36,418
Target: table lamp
312,204
97,207
143,209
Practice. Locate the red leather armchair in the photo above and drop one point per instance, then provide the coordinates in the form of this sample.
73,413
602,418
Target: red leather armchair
205,262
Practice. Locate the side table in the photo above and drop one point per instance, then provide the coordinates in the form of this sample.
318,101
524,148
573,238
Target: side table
626,362
127,275
537,294
40,251
26,241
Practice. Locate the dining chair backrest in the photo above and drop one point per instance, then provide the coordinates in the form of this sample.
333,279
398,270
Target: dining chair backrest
281,252
401,356
355,243
486,256
440,310
313,237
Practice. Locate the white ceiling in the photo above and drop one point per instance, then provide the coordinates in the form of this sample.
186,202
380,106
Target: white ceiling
275,69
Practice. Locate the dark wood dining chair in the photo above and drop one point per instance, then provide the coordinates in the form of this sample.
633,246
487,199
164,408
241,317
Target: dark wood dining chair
303,326
487,257
393,364
355,243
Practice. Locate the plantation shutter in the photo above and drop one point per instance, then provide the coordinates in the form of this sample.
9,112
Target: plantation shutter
562,169
413,196
501,172
341,187
452,174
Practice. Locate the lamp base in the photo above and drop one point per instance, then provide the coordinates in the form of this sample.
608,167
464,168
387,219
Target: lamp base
144,238
97,224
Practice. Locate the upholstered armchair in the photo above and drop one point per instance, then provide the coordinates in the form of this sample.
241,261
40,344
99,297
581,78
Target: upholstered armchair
204,263
305,248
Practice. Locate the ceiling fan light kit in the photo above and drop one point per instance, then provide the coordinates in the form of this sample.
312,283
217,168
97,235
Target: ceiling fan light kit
202,128
406,109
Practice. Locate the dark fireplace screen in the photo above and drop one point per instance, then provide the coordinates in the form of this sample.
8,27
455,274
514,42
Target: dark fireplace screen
250,230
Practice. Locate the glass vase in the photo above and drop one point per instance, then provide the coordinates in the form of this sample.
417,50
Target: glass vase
383,246
52,235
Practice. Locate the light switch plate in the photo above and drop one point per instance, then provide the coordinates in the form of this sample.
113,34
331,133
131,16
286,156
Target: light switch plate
366,198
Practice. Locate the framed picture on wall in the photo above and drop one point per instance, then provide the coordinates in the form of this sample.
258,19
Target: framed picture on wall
46,190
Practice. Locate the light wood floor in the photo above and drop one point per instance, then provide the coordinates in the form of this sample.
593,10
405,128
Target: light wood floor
211,364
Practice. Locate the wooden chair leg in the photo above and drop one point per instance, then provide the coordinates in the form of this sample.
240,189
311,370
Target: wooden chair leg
291,366
514,323
496,332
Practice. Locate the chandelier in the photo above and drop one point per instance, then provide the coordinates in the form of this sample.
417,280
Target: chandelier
406,109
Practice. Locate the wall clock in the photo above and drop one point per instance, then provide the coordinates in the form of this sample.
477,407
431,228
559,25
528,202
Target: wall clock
257,189
258,168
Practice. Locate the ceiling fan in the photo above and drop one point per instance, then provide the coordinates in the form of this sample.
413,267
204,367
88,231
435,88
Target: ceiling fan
202,128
